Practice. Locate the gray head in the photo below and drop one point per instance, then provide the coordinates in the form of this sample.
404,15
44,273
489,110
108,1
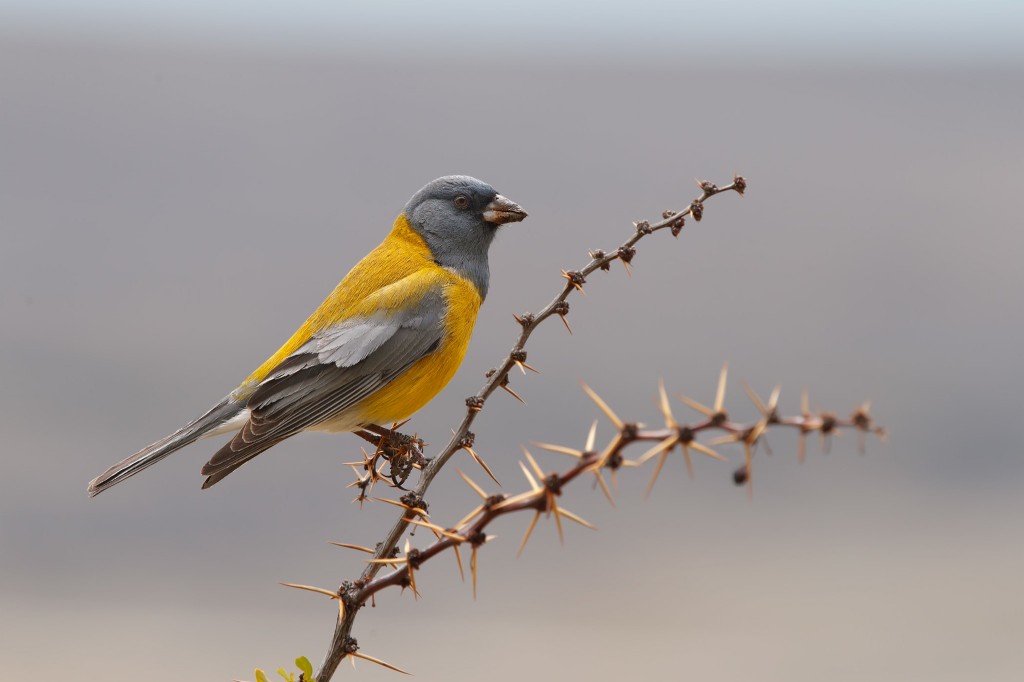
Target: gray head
458,216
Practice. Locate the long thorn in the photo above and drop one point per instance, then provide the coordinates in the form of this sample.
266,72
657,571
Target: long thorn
526,536
612,417
358,548
704,450
657,471
663,447
469,517
472,568
310,588
560,449
472,484
512,393
458,559
572,517
689,461
529,477
533,463
720,393
703,409
558,519
379,662
480,460
604,487
754,398
666,409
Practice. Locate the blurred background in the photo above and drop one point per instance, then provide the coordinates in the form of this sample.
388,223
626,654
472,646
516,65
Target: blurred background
182,182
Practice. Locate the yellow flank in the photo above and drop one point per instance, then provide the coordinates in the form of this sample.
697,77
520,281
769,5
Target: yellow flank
403,265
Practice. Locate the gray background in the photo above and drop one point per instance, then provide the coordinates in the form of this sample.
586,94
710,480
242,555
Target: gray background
176,197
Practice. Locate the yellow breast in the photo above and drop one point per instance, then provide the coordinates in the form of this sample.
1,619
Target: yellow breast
401,254
425,379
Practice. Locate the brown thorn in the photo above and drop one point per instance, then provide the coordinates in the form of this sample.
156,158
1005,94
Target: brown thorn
666,409
720,393
705,450
533,463
379,662
417,510
657,471
664,447
560,449
703,409
689,461
754,398
572,517
472,568
590,437
358,548
612,417
604,487
529,477
558,518
526,536
523,367
727,438
469,516
458,560
534,494
480,460
512,393
471,483
439,531
310,588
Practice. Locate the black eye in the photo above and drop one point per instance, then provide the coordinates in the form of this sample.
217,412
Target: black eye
462,201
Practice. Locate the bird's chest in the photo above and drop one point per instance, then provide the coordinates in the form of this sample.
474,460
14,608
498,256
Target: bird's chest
425,379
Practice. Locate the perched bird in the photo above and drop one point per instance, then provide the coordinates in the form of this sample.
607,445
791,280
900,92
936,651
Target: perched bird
380,347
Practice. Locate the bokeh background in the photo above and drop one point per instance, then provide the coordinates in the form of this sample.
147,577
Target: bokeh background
181,182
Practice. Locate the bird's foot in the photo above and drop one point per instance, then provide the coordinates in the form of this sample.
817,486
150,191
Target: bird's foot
396,454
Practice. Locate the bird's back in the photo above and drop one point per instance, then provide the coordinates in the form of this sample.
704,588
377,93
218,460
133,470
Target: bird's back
402,253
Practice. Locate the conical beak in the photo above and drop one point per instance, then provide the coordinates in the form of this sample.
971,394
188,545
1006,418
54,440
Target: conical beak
502,210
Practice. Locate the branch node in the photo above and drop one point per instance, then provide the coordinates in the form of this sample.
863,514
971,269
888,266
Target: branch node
575,278
697,210
709,188
526,319
494,500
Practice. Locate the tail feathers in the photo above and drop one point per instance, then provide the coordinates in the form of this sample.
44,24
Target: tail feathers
208,424
222,473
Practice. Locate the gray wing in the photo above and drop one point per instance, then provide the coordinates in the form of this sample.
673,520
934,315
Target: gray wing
329,374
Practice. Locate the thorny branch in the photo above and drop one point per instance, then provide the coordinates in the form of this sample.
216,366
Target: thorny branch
546,488
342,643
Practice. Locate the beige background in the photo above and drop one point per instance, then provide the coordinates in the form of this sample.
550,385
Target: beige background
171,209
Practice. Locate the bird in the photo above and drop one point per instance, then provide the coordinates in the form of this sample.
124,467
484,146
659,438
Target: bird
385,341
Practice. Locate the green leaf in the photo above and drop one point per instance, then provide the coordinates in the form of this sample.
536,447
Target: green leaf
261,676
306,667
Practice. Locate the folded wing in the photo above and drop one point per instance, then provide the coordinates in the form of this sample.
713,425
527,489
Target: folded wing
330,374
